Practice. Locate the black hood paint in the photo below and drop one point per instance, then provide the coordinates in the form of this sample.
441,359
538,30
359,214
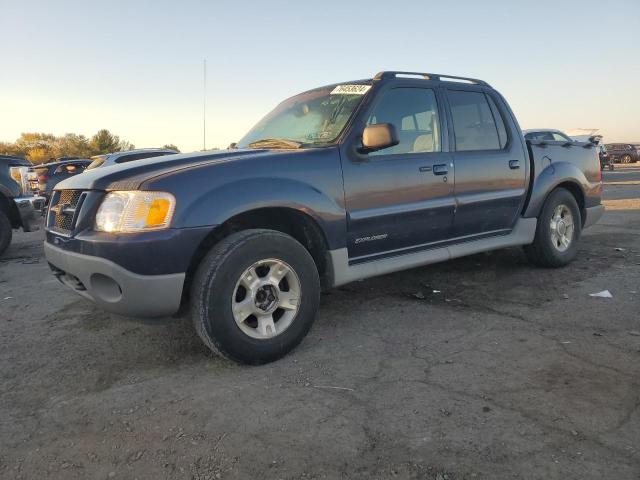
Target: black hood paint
131,175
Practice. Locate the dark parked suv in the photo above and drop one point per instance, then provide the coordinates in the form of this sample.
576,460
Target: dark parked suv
623,152
336,184
43,178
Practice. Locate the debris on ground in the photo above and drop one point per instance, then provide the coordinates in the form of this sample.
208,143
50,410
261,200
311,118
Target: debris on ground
418,295
334,388
635,333
602,294
619,249
565,296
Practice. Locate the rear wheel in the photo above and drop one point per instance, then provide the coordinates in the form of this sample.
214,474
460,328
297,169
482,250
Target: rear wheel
626,158
6,232
559,226
255,296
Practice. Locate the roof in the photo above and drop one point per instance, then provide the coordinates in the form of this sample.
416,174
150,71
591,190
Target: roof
438,77
137,150
62,162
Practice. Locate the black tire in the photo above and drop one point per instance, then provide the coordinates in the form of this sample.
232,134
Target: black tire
544,252
626,158
6,232
214,289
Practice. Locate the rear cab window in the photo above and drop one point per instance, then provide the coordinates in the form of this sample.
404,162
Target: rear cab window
70,169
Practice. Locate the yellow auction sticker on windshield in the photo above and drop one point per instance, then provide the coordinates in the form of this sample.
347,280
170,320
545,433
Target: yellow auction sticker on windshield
351,90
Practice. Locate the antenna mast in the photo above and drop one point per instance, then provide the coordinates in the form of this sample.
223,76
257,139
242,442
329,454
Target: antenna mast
204,105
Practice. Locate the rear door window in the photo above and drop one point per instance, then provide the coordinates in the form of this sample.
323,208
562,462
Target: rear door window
474,124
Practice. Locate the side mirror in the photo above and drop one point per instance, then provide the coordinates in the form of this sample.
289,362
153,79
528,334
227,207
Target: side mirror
377,137
595,139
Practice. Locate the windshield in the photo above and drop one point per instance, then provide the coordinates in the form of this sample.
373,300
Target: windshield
309,119
98,160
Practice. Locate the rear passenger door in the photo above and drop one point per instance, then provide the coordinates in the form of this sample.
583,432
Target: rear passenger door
490,163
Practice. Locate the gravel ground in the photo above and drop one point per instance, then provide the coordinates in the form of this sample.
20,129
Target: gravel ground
483,367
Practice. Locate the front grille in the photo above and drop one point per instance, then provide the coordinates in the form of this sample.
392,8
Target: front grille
63,210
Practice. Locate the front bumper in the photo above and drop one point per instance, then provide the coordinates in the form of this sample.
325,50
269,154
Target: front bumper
592,215
115,288
30,210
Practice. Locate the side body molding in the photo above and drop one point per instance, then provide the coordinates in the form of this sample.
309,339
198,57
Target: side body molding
522,234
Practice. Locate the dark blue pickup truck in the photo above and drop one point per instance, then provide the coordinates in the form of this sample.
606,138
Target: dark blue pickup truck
336,184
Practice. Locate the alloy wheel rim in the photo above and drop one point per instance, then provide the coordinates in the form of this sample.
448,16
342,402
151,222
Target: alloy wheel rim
266,299
562,228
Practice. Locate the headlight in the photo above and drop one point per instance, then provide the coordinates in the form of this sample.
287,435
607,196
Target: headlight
135,211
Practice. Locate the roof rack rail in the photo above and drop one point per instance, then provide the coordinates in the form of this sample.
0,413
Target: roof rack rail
428,76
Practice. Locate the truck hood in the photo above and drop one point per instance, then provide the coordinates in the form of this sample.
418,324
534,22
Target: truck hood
130,175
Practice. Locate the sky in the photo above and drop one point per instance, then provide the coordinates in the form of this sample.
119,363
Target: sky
135,67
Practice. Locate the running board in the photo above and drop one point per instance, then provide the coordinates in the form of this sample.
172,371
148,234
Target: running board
522,234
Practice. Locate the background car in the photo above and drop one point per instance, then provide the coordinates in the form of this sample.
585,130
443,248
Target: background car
42,178
623,152
128,156
548,134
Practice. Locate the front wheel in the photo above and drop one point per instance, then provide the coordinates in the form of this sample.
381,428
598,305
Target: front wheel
559,225
626,158
5,232
255,296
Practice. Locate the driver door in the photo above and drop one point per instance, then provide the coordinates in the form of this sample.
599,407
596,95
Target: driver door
400,198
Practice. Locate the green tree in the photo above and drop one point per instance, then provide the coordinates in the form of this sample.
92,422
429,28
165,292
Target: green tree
37,147
8,148
43,147
171,146
72,145
104,142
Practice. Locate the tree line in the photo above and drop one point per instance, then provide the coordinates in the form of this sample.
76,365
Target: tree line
45,147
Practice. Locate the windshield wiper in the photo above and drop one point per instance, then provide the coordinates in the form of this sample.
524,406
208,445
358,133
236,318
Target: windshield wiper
275,143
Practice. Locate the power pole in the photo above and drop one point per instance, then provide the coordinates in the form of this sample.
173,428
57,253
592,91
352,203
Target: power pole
204,105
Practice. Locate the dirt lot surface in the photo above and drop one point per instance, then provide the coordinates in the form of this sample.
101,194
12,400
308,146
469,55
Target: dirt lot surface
484,367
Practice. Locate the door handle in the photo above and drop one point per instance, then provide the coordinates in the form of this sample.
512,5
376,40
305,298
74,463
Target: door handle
514,164
425,168
440,169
